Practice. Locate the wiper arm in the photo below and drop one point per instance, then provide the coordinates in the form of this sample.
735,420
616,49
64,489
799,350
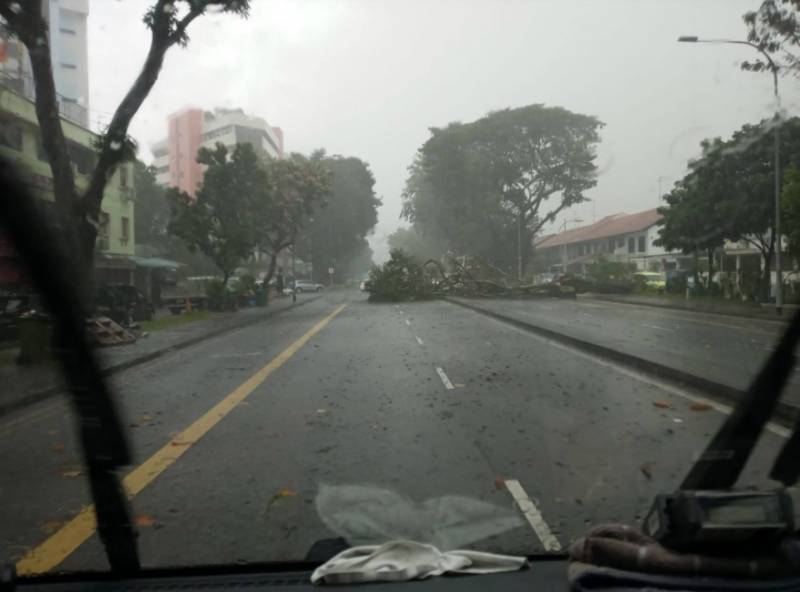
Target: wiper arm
104,445
726,455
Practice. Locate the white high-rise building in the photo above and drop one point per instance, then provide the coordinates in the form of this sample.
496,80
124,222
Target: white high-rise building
69,54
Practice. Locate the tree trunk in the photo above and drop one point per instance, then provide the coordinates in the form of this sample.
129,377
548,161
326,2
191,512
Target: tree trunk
696,270
710,281
766,274
273,264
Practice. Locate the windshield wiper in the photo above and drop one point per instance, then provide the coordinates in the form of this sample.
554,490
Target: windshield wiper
726,455
105,448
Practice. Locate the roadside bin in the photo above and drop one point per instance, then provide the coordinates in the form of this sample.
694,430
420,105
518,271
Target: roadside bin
261,297
35,338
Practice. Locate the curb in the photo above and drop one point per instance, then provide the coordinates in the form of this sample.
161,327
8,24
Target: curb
48,392
762,317
716,390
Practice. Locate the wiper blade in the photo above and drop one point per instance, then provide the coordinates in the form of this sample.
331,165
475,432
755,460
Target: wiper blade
726,455
104,445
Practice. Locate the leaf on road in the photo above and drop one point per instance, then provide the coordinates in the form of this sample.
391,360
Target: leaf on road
499,483
50,526
287,493
145,418
181,442
322,411
57,447
661,404
144,520
700,407
677,420
71,474
647,470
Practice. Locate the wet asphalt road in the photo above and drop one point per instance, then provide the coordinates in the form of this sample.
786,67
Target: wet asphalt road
424,400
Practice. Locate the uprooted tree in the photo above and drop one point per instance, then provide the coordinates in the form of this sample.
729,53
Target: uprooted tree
168,21
404,277
486,188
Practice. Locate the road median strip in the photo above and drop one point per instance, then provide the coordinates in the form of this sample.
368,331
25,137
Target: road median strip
714,389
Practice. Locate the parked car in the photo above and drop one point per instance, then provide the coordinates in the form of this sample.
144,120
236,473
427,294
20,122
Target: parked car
364,285
123,303
307,286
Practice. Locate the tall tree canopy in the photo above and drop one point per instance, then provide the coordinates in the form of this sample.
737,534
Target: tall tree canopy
775,28
728,193
220,221
168,21
486,188
336,235
297,185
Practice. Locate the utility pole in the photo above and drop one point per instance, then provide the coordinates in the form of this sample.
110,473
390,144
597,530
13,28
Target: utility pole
773,67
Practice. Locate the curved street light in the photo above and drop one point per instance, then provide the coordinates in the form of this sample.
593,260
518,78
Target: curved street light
777,166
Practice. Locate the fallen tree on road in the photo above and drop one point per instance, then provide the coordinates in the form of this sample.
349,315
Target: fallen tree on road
403,278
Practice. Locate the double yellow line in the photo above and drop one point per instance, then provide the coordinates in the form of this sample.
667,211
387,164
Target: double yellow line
74,533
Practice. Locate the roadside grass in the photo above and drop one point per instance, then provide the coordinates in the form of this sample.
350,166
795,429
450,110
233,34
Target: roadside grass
172,321
704,299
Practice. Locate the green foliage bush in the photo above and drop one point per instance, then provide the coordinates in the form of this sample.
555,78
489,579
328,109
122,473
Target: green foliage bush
219,297
400,279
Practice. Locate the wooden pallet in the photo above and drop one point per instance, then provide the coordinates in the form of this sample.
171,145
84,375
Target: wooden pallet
104,332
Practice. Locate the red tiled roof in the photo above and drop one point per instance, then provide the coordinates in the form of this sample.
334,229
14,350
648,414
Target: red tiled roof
613,225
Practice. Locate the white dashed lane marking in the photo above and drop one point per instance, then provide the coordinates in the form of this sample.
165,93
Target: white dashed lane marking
445,381
418,340
533,515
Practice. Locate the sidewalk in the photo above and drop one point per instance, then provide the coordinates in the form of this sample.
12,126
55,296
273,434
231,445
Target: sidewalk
752,311
26,384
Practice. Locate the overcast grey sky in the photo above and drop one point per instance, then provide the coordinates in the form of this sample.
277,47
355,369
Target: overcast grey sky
367,78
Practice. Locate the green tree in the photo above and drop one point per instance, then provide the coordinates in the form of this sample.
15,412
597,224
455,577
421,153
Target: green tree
416,244
727,193
221,221
151,212
168,21
775,28
501,177
297,185
336,235
790,210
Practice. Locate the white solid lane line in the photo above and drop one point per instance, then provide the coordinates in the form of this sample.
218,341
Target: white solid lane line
533,515
446,381
418,340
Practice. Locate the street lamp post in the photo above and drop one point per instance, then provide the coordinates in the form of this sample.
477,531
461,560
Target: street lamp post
565,258
777,149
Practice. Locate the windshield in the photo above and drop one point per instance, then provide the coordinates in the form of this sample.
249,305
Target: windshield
476,274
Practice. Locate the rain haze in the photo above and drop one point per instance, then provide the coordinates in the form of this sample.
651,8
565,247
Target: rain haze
368,78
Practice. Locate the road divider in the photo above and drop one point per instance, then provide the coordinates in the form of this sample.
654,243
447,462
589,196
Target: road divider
74,533
667,374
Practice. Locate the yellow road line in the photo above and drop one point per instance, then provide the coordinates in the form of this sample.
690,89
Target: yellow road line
75,532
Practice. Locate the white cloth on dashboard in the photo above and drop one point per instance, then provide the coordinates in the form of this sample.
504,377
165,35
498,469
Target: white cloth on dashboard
399,561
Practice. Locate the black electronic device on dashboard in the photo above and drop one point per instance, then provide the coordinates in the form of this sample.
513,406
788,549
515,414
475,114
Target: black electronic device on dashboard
704,519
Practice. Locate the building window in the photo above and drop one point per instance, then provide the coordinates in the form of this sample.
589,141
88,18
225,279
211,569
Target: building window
611,244
631,244
641,244
620,243
10,135
69,66
123,176
67,31
126,230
